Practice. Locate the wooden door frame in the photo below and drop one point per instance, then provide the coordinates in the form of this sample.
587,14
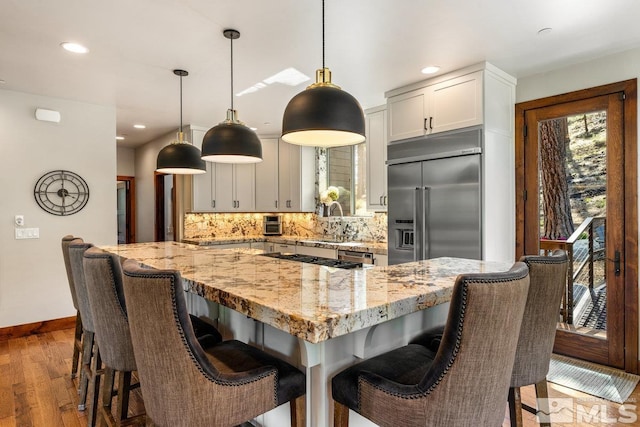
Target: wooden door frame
630,132
130,207
158,228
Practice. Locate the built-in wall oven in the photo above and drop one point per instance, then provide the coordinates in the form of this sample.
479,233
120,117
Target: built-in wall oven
272,225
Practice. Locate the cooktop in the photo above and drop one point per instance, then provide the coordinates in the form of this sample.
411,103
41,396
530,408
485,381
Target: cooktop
329,262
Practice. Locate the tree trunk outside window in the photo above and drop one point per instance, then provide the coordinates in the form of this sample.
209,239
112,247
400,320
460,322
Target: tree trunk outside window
556,207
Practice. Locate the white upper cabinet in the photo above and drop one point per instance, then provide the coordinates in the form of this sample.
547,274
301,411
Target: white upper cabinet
267,177
203,189
376,132
448,104
296,178
234,187
408,115
455,103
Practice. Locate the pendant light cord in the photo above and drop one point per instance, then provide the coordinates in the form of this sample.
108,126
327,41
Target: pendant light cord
180,104
322,34
231,73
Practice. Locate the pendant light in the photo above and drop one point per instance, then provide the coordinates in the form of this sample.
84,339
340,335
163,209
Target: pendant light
231,141
323,115
180,157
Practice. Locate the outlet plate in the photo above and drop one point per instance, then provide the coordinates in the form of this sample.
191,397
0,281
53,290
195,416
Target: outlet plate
27,233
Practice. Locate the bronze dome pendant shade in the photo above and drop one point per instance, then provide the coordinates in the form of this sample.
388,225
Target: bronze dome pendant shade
180,157
231,141
323,115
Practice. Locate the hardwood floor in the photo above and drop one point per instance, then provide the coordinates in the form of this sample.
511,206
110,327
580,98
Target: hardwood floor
36,389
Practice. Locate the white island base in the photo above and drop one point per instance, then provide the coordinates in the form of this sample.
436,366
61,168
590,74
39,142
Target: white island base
319,361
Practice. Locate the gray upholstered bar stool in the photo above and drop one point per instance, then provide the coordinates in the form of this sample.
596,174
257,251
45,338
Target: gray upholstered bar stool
464,383
535,345
185,385
548,275
91,362
77,340
103,275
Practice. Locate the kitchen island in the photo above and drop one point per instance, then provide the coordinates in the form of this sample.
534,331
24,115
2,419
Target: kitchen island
319,318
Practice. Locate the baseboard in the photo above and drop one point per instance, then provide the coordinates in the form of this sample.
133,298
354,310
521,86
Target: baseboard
37,328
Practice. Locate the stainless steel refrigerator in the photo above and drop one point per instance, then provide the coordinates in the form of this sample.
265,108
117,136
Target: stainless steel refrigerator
434,207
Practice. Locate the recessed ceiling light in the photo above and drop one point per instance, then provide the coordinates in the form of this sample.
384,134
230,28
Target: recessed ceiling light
120,138
544,31
139,126
430,69
267,123
2,82
74,47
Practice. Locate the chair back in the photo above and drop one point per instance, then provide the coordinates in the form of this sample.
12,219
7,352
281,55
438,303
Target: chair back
76,254
548,277
180,385
66,241
468,382
103,275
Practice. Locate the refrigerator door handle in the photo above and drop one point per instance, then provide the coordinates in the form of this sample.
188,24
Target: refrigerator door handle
417,227
426,211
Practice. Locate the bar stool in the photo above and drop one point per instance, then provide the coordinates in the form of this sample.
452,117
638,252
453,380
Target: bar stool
186,385
91,361
103,275
464,383
77,339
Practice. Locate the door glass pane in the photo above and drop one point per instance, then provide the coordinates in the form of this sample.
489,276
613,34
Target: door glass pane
121,189
573,210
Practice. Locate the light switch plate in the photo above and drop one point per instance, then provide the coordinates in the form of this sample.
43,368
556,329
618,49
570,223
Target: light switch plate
27,233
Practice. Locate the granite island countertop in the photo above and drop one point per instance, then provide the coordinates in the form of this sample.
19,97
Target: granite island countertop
379,248
314,303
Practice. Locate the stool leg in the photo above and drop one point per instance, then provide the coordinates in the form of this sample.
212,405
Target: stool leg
87,352
298,411
124,386
107,395
94,383
542,394
515,407
77,343
340,415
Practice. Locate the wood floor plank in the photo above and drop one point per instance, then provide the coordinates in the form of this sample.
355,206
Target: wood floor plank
36,389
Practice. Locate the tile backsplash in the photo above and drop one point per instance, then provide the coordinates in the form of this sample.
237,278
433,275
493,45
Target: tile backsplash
225,225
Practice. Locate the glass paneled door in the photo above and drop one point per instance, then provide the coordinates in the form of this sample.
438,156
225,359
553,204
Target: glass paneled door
572,176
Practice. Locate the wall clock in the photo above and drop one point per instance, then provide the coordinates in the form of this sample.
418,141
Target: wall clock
61,192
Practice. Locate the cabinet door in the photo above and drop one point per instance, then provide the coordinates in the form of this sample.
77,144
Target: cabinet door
376,130
455,103
223,184
203,189
267,177
244,182
407,113
288,161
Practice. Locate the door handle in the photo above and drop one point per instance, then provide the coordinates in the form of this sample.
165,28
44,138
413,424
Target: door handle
431,122
276,204
425,124
385,201
426,208
616,263
213,204
417,227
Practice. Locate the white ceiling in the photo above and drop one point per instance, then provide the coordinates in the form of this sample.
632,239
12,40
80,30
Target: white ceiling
371,46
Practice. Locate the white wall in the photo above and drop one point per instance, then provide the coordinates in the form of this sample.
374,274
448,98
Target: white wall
610,69
126,160
33,282
145,166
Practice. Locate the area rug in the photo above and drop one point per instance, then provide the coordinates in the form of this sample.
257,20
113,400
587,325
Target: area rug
601,381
